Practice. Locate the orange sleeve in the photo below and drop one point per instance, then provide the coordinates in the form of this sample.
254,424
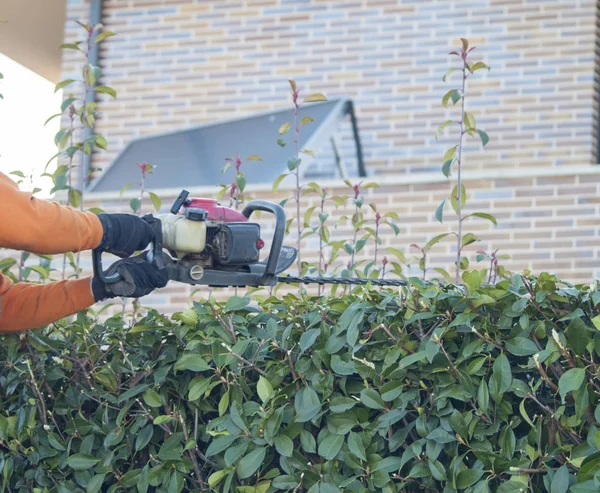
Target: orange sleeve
40,226
29,306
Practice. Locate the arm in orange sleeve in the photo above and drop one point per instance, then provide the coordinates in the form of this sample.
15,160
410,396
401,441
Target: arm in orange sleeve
40,226
29,306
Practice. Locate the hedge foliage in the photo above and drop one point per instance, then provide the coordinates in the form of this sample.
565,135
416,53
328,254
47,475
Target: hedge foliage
432,388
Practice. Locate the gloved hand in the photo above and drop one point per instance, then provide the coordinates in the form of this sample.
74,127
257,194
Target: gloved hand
124,234
138,278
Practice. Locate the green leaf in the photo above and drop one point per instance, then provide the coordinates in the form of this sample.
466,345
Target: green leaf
342,404
277,182
307,405
284,128
308,442
484,137
236,303
372,399
389,464
521,346
447,168
484,215
468,238
452,94
468,478
437,470
454,197
159,420
314,97
439,212
502,373
331,446
62,84
135,205
216,477
293,163
441,129
192,362
447,74
469,122
250,463
570,380
81,462
143,438
483,396
95,483
308,338
434,241
478,66
152,398
103,35
305,120
284,445
560,481
356,446
440,436
220,444
156,202
264,389
106,90
341,367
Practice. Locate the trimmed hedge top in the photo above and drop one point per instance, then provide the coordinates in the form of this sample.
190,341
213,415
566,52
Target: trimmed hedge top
429,388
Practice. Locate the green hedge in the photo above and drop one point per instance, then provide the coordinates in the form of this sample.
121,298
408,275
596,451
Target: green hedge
431,388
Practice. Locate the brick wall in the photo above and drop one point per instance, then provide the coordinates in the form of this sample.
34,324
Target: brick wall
177,63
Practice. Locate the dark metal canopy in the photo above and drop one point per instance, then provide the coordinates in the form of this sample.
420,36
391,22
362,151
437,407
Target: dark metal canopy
195,157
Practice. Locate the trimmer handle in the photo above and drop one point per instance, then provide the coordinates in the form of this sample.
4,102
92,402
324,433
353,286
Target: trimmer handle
279,213
153,256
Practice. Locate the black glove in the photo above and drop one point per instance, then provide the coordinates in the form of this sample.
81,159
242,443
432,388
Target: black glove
138,278
124,234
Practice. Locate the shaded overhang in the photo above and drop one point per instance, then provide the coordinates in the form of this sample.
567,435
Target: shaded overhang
195,157
32,34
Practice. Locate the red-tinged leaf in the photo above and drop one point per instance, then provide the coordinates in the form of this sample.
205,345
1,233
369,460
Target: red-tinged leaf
465,44
293,85
314,98
284,128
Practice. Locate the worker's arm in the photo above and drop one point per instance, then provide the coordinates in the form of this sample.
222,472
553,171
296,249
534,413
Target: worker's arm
30,306
40,226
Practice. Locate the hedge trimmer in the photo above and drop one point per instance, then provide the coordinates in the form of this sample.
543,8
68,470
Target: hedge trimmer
217,246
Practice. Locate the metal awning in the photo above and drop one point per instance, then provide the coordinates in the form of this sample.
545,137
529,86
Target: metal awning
195,157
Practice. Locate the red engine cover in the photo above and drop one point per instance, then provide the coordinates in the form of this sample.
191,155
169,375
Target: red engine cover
215,211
